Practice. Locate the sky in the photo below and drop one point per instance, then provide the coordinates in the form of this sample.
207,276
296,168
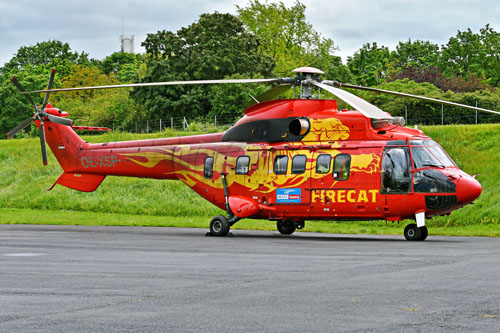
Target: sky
95,26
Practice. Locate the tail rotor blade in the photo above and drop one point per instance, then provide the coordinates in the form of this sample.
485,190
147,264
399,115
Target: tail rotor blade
23,91
59,120
25,123
42,142
49,87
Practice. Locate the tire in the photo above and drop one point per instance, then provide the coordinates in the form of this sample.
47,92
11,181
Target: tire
286,227
424,233
412,233
219,226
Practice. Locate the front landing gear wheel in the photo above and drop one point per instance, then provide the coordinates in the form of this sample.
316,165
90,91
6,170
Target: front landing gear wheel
219,226
413,233
424,234
286,227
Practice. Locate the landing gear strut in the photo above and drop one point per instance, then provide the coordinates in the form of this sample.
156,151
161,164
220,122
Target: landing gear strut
220,225
413,233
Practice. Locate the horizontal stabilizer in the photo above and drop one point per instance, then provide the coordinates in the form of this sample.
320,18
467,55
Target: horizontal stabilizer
80,181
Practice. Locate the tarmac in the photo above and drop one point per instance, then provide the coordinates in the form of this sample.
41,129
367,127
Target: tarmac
138,279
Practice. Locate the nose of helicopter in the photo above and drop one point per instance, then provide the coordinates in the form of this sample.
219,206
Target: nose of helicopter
468,189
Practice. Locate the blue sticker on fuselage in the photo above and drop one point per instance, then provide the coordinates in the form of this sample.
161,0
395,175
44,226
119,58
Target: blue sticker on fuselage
288,195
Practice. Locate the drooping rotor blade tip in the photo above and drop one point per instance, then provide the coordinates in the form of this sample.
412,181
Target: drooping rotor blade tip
22,125
17,84
42,142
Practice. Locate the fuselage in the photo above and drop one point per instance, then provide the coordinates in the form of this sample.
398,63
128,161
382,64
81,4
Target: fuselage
289,159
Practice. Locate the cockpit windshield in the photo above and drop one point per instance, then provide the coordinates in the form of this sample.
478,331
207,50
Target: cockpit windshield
428,153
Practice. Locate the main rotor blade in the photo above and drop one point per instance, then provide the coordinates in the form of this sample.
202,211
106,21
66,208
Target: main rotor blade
20,127
369,110
49,86
167,83
269,94
42,141
59,120
338,84
23,91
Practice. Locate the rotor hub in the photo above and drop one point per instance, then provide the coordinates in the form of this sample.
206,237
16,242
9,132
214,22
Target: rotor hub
304,77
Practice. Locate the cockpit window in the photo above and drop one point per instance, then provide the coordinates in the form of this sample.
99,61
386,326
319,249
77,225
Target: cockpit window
429,154
442,156
430,157
432,181
396,170
422,158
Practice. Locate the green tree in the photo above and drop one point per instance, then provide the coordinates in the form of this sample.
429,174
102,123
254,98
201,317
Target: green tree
461,54
490,56
339,72
417,54
95,107
470,52
44,56
214,47
424,112
123,65
31,65
286,36
371,64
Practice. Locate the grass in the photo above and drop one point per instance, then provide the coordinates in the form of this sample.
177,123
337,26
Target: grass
147,202
475,150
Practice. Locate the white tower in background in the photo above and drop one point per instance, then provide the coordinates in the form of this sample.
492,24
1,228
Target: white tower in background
126,41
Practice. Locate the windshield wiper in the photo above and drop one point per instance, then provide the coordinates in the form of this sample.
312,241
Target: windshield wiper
433,165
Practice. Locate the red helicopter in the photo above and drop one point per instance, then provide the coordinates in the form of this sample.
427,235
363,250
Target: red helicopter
286,160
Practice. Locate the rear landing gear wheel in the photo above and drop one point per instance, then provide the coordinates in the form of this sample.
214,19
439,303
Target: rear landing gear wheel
219,226
413,233
286,227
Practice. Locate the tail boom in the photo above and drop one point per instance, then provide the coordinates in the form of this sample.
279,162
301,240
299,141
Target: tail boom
86,165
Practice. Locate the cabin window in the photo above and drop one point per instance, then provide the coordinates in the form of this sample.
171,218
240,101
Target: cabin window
342,167
396,170
299,164
280,164
323,163
208,168
242,165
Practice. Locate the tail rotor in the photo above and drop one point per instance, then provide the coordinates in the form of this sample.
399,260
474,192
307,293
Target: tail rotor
39,114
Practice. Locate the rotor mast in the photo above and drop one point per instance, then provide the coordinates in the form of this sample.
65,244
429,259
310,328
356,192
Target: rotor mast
305,76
